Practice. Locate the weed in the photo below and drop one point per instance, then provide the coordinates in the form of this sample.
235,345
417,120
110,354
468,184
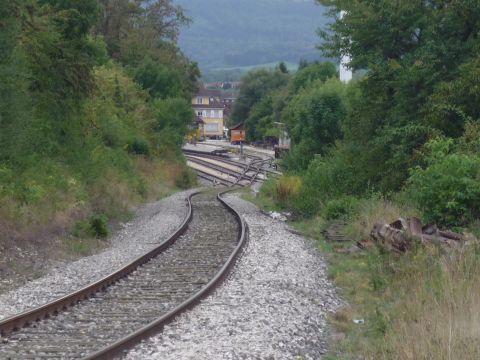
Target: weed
375,210
138,146
342,207
186,179
288,188
420,305
99,226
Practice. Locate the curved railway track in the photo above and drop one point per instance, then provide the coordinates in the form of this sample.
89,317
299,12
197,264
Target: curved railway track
119,311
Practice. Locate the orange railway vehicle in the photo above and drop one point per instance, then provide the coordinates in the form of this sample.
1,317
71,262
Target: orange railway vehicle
237,134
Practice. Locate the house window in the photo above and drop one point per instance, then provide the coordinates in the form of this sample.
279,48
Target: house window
212,113
199,113
213,127
199,100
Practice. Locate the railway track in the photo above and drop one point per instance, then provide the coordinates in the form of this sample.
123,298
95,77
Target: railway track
138,300
232,174
225,171
256,162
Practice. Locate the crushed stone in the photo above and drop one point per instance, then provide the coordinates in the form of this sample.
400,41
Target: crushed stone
151,225
273,306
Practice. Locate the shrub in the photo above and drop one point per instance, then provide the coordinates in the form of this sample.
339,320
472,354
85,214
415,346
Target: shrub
448,189
138,146
342,207
288,188
186,179
269,189
96,226
372,210
99,226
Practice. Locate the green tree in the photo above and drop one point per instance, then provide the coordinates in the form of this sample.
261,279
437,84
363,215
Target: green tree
172,118
413,51
15,102
143,23
311,72
314,118
160,81
255,85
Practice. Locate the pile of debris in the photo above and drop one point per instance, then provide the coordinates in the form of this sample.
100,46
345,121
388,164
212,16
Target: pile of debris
280,216
400,235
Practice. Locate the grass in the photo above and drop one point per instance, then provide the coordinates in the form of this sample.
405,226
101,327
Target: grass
421,305
82,247
264,199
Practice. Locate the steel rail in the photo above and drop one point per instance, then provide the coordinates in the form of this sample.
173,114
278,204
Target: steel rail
212,178
232,162
122,345
52,308
215,167
209,176
238,175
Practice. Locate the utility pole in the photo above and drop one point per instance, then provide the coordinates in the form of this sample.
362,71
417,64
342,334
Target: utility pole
241,150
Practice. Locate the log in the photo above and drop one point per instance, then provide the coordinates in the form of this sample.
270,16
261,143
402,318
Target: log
400,234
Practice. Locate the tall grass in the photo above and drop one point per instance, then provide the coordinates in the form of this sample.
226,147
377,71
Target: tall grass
417,306
420,305
437,307
373,210
288,188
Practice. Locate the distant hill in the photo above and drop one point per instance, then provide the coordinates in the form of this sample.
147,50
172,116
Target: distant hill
243,33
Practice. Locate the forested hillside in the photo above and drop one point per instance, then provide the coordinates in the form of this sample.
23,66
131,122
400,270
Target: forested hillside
228,33
94,103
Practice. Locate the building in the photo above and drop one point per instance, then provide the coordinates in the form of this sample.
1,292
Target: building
209,108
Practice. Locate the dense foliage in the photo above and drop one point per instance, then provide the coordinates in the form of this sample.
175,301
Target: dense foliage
90,94
407,144
377,134
417,54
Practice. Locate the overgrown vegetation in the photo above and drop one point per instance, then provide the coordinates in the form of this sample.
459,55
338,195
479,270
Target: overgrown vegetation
94,104
403,140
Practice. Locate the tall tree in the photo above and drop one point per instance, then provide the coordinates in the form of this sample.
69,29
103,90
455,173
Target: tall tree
255,85
144,23
409,49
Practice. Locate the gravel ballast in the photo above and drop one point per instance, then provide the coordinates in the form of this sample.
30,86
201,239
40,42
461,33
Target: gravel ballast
273,306
152,224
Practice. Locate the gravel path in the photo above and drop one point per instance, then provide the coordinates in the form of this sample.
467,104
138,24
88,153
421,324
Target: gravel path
274,305
152,224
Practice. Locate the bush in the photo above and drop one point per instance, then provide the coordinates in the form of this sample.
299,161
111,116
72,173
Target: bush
94,227
288,188
99,226
138,146
326,178
269,189
448,189
342,207
186,179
